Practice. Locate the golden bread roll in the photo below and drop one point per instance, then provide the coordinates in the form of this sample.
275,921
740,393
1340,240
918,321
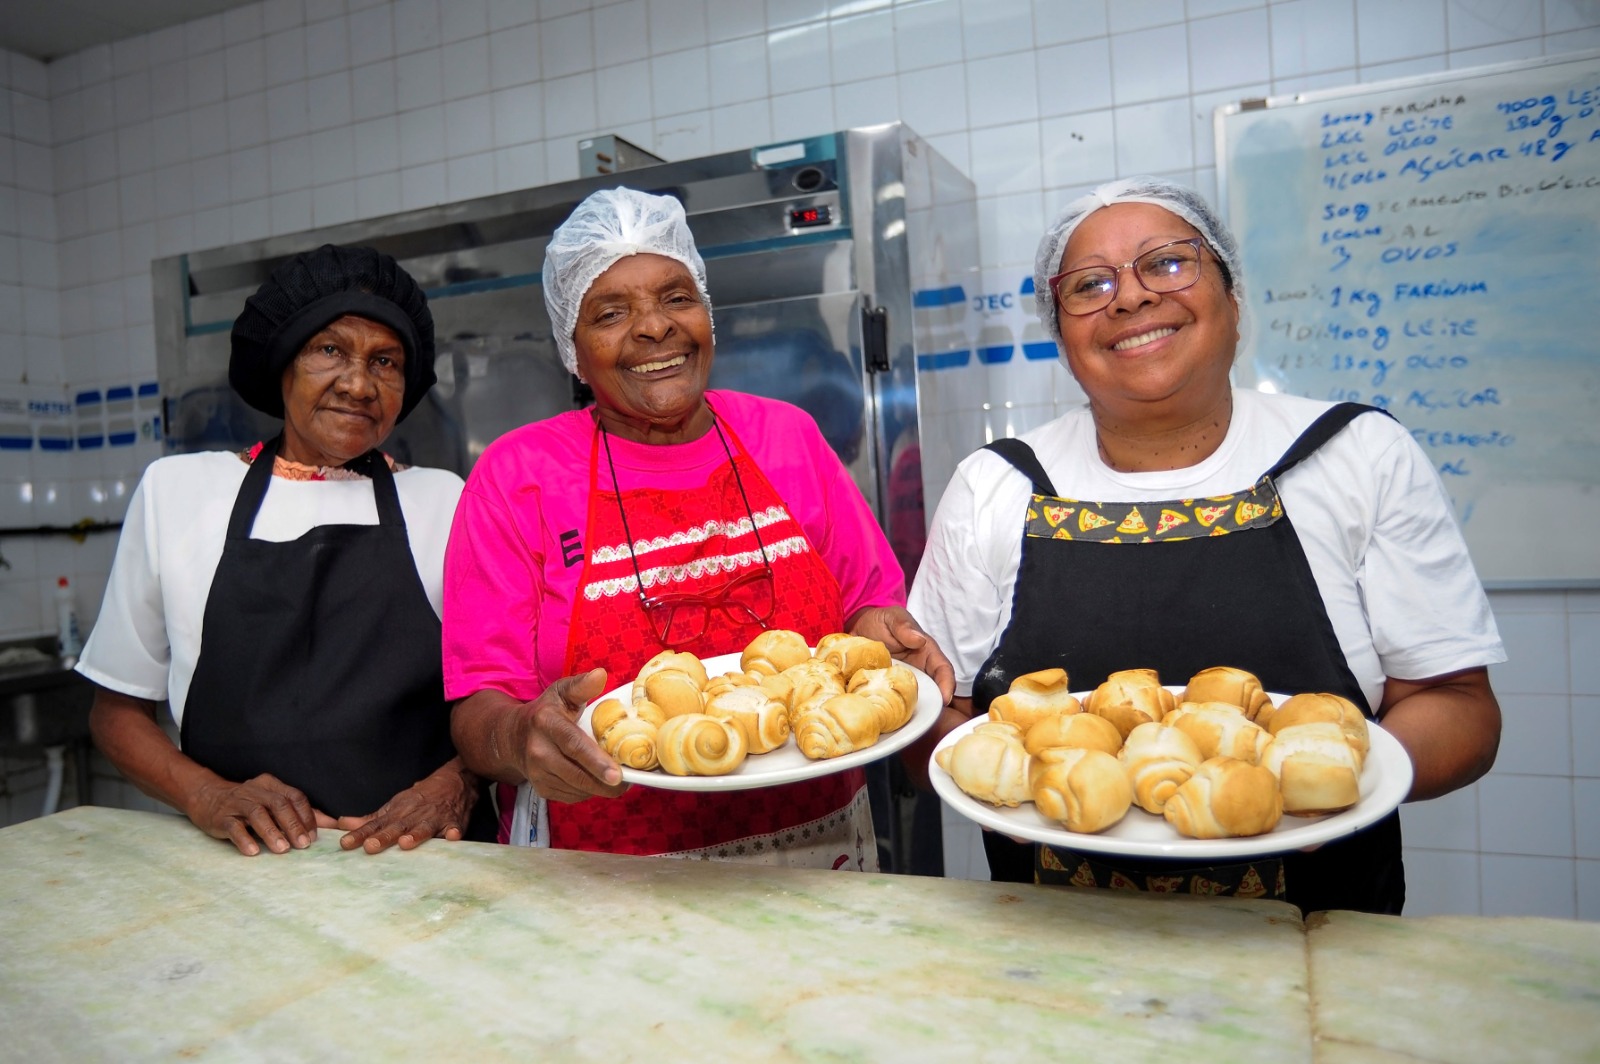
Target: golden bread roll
892,690
1225,798
1317,770
1130,698
1221,729
695,744
1083,731
631,741
990,764
1311,708
1234,686
773,651
669,659
801,684
1158,759
834,726
730,680
1033,697
676,692
852,653
828,640
763,719
1083,790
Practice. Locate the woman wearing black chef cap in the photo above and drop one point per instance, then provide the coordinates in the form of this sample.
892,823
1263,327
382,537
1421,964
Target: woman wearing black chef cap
285,600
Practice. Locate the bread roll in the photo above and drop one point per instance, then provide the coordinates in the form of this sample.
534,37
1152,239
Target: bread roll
1311,708
773,651
669,659
631,740
1083,790
1234,686
1225,798
763,720
893,691
802,684
1317,770
1158,759
695,744
1033,697
1130,698
834,726
990,764
1083,731
1221,729
675,691
852,653
730,680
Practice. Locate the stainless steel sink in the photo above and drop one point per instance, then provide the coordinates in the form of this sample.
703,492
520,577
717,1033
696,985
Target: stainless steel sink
42,706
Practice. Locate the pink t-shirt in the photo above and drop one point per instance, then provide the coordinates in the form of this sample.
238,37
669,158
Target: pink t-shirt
517,546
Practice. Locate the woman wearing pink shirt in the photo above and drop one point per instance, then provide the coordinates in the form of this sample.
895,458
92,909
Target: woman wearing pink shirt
663,517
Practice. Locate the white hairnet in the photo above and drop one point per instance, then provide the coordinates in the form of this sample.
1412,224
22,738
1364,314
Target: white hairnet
1184,202
609,225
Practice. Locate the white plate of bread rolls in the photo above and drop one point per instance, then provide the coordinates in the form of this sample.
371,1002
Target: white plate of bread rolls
1213,768
780,711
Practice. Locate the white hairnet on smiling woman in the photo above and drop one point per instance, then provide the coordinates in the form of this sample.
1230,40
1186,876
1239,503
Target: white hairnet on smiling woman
1183,202
609,225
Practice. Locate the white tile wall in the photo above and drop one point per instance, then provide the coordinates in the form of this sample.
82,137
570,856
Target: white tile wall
284,114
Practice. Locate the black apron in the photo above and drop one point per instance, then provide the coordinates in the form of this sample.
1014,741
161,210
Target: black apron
1179,587
320,657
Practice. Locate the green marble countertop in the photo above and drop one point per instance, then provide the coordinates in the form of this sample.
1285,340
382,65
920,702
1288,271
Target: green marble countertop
130,936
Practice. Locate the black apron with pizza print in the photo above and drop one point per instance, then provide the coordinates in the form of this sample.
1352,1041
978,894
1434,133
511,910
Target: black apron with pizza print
1179,587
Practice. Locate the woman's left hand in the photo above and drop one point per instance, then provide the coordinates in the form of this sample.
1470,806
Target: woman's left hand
895,628
436,807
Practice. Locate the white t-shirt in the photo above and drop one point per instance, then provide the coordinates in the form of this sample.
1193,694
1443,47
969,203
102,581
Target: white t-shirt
1368,508
147,639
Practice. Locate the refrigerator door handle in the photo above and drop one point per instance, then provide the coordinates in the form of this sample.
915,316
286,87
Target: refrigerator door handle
874,336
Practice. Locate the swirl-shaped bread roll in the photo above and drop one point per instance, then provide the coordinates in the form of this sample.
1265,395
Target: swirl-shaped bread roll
1235,686
763,719
804,683
1034,696
1317,770
990,764
1220,729
1224,799
773,651
695,744
1158,759
852,653
1311,708
669,659
675,691
1130,698
1076,730
730,680
628,732
893,691
834,726
1084,790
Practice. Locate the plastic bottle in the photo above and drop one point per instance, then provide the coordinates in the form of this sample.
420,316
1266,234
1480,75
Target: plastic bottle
70,636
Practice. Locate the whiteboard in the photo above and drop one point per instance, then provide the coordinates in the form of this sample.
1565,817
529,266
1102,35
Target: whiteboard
1432,246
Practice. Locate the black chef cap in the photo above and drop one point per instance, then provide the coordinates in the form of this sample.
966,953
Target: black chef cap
311,291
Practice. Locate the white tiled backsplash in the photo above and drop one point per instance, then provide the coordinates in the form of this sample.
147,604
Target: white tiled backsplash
282,115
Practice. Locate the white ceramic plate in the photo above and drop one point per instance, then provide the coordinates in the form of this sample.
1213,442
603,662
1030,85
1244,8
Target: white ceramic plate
786,764
1385,782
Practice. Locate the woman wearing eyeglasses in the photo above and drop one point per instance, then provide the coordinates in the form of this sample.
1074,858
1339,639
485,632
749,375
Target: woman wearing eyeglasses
1177,523
665,516
285,599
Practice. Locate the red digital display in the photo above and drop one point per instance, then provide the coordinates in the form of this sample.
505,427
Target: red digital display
800,217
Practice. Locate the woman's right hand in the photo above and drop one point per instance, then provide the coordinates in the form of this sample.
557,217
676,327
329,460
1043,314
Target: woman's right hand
538,742
262,808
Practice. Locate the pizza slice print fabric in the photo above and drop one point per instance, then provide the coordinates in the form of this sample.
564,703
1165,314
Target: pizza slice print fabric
1154,522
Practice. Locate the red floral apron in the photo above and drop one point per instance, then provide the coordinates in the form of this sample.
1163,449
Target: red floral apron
687,537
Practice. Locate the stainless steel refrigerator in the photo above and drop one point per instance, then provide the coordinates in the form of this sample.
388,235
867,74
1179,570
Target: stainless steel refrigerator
835,264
